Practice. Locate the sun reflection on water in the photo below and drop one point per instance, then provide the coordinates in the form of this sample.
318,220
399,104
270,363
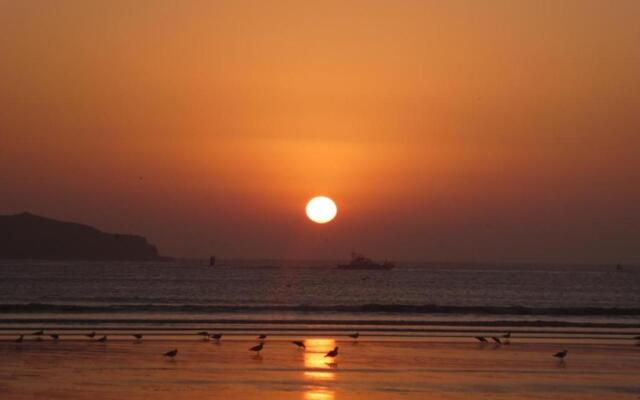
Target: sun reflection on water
319,394
318,368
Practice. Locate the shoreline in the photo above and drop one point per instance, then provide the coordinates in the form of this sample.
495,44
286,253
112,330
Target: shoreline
239,331
370,368
16,320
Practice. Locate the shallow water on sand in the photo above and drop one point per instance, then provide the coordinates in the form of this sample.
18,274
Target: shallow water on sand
367,369
417,324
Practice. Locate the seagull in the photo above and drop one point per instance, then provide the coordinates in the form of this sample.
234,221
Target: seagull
102,339
481,339
333,353
300,344
355,336
561,355
91,335
262,337
38,333
507,335
138,336
20,339
217,337
257,348
55,336
171,353
497,340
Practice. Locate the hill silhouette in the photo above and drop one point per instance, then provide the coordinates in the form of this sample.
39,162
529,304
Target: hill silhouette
29,236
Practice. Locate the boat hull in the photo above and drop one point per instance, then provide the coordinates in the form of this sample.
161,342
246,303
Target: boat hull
366,267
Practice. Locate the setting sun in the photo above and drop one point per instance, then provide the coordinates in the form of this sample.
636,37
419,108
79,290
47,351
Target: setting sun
321,209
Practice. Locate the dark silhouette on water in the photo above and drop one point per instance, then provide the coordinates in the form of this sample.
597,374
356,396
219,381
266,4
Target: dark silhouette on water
497,340
481,339
102,339
171,354
257,348
91,335
333,353
355,336
217,337
38,333
359,262
299,343
561,355
20,339
54,336
262,337
138,336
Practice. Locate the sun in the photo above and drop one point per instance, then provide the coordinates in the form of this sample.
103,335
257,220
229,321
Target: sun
321,209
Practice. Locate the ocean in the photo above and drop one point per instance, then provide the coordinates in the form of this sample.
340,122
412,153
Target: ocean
283,297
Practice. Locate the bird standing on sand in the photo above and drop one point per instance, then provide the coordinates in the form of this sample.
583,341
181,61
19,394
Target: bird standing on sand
138,336
217,337
262,337
38,333
355,336
171,354
257,348
300,344
20,339
481,339
333,353
497,340
54,336
91,335
561,355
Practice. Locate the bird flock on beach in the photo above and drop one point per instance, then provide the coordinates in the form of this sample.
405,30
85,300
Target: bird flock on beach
504,339
204,334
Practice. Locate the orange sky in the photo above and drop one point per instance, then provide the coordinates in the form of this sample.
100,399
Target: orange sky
445,130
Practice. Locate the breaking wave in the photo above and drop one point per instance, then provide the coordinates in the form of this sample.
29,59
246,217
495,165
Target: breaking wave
350,309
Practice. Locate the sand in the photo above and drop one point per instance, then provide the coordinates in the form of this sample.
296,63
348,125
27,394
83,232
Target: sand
369,369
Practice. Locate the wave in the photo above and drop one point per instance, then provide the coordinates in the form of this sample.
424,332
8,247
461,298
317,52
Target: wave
351,309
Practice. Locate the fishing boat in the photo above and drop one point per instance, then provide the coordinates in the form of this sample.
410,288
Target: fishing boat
359,261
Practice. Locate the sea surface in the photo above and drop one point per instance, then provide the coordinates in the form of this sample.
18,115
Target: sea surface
412,299
417,325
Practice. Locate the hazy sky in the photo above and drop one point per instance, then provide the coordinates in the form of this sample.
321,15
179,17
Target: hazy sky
445,130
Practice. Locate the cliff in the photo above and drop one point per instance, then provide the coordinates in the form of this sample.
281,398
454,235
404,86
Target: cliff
28,236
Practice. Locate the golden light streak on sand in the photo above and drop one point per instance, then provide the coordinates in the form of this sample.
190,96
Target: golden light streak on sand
320,394
316,365
317,369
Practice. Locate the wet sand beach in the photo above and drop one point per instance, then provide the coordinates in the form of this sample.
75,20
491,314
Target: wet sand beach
372,368
417,326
